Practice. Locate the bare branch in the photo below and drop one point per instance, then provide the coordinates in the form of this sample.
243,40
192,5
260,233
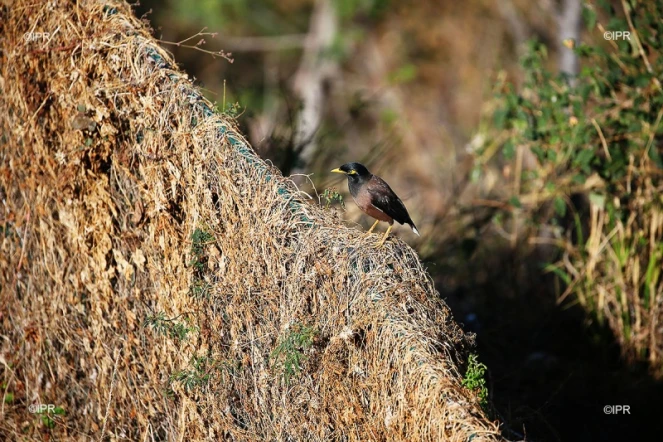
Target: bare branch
221,53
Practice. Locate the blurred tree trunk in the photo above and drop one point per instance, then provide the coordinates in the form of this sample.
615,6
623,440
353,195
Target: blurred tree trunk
316,70
569,22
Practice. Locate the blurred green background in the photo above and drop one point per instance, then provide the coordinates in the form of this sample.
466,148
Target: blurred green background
526,146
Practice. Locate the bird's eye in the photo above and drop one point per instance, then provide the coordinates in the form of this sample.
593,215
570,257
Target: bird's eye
352,172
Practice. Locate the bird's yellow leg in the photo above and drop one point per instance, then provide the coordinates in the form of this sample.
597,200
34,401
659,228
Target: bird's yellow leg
385,235
373,226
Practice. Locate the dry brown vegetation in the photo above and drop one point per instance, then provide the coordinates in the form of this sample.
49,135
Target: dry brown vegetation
161,282
557,268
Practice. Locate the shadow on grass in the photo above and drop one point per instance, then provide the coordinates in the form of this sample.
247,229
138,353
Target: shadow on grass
552,370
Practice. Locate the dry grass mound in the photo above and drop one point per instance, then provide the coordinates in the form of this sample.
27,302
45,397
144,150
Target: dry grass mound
160,282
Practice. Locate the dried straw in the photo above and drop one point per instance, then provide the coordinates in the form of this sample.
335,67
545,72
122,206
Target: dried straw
111,308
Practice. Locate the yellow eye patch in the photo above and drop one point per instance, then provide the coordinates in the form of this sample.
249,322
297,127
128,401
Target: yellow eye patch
352,172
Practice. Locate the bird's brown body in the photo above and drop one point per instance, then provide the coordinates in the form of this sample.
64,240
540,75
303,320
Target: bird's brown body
370,210
364,199
374,197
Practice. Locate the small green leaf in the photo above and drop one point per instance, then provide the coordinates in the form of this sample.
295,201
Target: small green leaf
559,272
560,206
47,421
539,152
584,159
389,116
404,74
515,202
508,150
500,117
597,200
579,179
475,174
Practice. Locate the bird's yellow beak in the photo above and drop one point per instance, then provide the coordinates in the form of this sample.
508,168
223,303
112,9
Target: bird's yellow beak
337,171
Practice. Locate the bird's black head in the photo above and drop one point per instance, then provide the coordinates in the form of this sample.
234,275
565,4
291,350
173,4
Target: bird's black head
354,171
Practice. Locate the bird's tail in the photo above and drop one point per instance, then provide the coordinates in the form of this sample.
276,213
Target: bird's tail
414,228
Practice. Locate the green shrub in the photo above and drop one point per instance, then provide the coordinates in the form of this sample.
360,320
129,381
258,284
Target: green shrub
585,160
289,354
475,379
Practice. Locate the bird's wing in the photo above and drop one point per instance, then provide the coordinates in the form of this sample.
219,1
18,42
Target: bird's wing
385,200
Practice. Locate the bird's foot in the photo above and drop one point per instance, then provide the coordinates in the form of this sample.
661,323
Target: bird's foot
384,237
372,227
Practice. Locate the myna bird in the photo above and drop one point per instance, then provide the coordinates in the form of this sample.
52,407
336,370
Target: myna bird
375,198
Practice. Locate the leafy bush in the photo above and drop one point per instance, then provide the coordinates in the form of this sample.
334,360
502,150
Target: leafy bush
289,354
585,158
475,379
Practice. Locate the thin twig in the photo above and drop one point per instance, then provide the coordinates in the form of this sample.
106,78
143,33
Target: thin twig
605,144
110,396
221,53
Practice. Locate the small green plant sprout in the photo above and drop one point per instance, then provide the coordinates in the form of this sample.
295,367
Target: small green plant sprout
199,240
200,289
289,354
48,413
330,195
198,377
169,327
475,379
233,110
